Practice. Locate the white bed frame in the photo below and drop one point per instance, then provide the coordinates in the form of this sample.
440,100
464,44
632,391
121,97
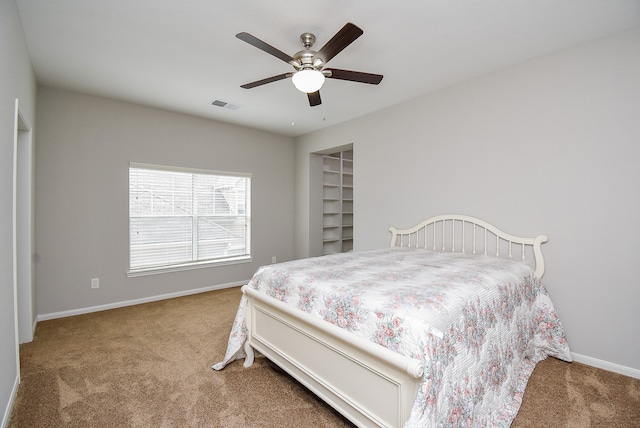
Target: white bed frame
367,383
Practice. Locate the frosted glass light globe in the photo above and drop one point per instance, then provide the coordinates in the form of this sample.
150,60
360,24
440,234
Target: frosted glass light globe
308,81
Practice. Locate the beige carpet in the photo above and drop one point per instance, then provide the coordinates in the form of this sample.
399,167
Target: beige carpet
150,366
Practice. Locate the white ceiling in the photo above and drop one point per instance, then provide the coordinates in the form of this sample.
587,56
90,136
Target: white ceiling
182,55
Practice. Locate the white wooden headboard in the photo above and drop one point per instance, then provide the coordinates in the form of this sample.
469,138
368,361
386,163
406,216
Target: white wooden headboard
463,234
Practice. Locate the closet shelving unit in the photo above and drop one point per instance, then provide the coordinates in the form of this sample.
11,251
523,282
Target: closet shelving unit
337,203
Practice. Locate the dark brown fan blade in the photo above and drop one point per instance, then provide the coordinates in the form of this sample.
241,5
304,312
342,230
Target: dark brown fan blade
314,98
254,41
265,81
341,40
354,76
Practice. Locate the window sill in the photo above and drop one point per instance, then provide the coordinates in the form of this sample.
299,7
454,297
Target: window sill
189,266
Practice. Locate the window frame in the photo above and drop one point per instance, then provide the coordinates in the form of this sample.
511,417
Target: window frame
195,264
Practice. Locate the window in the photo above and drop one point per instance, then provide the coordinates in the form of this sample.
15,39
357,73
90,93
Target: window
183,218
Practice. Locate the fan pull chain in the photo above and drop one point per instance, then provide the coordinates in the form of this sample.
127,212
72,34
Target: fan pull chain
293,123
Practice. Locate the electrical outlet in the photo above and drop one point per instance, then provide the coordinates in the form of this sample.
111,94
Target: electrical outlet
273,259
95,282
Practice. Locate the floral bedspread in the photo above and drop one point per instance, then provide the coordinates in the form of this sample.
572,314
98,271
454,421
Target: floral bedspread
479,323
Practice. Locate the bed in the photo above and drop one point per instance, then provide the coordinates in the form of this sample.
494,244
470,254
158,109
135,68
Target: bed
443,328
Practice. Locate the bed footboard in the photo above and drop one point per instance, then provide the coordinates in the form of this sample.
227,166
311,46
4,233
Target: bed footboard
367,383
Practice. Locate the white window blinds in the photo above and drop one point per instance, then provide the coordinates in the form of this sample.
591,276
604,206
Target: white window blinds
181,216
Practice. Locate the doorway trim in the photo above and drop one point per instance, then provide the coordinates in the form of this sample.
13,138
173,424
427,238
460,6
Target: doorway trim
22,231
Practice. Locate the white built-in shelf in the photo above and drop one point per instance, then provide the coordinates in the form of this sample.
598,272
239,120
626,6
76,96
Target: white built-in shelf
337,204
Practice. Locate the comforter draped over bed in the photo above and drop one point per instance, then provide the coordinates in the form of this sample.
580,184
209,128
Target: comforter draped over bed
479,323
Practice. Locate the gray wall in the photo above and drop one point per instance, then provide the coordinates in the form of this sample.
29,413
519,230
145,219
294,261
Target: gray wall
16,81
551,147
83,152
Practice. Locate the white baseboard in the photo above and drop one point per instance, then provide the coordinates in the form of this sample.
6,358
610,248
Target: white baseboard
12,399
606,365
72,312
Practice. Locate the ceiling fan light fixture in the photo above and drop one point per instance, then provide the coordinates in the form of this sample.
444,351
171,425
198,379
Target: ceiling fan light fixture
308,80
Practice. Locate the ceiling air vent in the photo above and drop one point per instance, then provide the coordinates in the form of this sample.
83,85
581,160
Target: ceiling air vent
224,104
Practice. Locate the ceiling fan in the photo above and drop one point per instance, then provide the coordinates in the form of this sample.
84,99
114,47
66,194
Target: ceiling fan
309,64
